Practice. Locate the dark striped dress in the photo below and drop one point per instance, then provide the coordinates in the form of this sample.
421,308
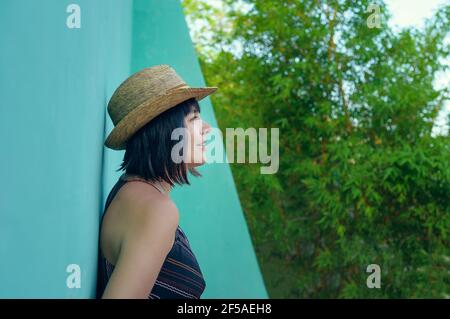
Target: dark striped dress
180,276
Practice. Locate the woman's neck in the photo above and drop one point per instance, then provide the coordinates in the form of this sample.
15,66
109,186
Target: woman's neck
162,185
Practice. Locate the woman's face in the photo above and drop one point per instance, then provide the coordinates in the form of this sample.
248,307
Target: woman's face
196,129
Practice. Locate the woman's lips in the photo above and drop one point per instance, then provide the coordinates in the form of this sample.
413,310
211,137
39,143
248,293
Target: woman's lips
203,144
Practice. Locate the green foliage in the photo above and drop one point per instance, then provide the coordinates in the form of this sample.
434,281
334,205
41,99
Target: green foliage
362,179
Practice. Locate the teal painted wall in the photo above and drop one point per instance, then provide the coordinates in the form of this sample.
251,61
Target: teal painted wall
55,83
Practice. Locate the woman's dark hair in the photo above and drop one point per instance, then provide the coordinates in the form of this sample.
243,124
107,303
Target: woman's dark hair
148,151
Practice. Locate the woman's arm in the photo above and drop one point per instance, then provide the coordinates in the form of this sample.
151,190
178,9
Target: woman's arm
148,239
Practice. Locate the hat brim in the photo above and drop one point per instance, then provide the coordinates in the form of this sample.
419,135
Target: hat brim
148,110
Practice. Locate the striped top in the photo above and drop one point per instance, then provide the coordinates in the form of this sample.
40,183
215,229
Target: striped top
180,276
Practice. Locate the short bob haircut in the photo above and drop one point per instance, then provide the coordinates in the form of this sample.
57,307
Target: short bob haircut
148,151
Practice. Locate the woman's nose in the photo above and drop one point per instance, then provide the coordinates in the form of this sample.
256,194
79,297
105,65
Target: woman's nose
206,127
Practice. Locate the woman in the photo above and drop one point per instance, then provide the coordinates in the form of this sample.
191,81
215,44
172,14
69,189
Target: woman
143,253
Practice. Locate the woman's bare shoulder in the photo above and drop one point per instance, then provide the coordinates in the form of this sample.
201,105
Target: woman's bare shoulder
144,204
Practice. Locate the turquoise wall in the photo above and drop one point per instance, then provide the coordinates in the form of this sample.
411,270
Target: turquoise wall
55,83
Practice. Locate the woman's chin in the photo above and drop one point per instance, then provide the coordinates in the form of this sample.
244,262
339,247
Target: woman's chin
199,158
200,162
197,162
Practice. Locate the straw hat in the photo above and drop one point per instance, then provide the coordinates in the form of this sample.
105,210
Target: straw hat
142,97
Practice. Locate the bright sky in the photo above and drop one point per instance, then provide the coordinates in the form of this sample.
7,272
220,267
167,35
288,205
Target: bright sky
412,13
